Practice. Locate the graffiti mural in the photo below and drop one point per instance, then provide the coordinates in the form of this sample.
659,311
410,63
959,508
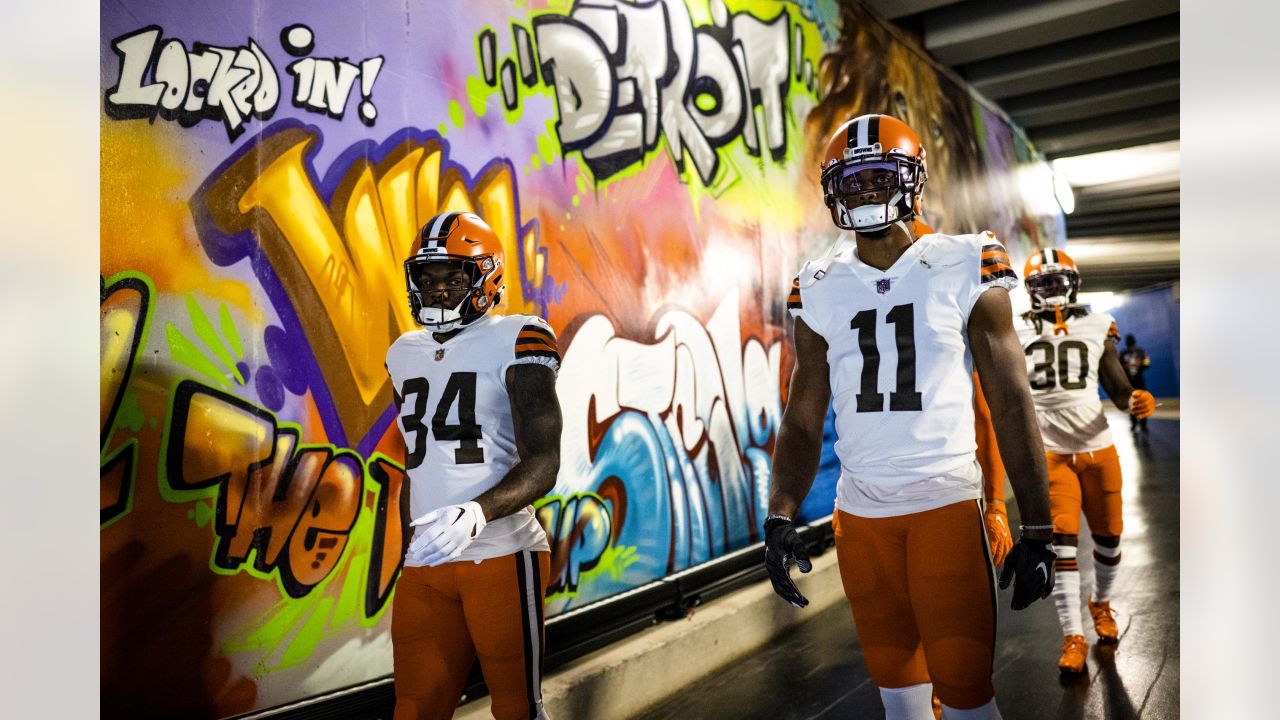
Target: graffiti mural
649,167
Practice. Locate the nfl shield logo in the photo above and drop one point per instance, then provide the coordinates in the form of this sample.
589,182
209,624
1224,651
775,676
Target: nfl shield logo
439,354
882,285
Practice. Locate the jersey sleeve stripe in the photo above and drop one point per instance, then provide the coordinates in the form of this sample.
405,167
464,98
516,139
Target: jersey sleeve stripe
535,330
995,264
536,337
520,354
536,345
987,277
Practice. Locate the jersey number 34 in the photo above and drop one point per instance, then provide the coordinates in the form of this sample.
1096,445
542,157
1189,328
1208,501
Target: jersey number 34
460,389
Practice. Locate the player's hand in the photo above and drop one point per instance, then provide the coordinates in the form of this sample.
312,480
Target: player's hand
446,532
782,549
998,535
1141,404
1030,566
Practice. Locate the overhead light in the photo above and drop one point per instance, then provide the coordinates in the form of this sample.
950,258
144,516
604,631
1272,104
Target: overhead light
1099,301
1161,160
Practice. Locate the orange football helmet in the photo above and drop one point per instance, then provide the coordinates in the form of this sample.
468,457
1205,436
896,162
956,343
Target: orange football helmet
463,238
872,142
1051,278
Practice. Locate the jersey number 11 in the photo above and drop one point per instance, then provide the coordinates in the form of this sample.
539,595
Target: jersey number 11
905,397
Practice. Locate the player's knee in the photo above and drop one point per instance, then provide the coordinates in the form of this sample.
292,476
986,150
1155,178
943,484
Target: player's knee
1107,541
964,697
895,668
517,707
961,671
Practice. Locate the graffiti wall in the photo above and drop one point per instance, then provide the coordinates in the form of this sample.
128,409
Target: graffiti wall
651,170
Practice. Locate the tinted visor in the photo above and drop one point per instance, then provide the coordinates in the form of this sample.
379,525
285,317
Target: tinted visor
1050,284
417,270
865,177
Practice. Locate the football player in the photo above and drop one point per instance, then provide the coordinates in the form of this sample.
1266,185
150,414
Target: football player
889,331
1068,351
481,424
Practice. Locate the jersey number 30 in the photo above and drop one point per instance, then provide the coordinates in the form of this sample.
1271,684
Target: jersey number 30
905,396
1043,376
461,389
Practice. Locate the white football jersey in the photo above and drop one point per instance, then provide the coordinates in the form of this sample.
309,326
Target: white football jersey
1063,371
901,371
456,420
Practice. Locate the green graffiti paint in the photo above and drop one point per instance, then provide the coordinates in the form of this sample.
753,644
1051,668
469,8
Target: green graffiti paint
204,513
204,330
478,95
455,114
229,331
547,148
312,632
130,415
184,351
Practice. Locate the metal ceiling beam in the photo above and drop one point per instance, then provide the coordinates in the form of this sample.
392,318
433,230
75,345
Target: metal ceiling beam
1120,262
1095,97
1117,203
982,29
894,9
1127,188
1122,49
1124,129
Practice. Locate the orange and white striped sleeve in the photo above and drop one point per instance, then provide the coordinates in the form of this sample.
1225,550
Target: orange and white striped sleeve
536,343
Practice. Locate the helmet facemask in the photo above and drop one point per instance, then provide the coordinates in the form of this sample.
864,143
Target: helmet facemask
1052,289
438,310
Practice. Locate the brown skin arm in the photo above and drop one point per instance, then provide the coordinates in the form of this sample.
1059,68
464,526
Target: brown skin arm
535,413
1112,376
799,447
998,356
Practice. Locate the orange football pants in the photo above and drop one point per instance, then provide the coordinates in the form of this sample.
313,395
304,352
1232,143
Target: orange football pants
444,617
1089,481
922,591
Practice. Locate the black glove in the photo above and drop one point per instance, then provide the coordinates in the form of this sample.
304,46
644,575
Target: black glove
1031,563
782,549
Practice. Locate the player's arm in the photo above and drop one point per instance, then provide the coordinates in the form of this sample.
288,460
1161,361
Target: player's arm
795,461
1115,381
535,414
1113,377
1002,368
799,446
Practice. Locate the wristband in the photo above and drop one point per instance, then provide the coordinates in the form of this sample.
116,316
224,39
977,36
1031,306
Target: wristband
776,519
1024,528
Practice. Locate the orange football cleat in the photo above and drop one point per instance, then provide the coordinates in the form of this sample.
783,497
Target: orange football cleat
1104,620
1074,651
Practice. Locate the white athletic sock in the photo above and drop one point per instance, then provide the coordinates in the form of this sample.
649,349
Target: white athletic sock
913,702
1066,590
985,712
1106,564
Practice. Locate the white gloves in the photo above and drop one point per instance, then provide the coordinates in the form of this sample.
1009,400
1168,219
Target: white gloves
446,532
